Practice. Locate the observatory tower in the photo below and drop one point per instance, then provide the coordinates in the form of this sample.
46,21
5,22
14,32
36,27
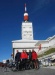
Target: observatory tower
27,42
27,28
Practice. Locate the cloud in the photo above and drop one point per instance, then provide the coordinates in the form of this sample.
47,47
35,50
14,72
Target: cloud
40,4
52,29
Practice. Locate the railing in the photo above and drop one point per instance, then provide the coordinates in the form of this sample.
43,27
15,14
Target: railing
42,51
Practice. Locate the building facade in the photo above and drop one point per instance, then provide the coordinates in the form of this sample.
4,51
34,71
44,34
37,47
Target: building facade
27,42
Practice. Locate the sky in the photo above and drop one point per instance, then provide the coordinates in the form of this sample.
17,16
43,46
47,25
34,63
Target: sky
41,14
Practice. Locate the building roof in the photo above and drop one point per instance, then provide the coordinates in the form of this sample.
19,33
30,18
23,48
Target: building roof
24,41
50,38
40,42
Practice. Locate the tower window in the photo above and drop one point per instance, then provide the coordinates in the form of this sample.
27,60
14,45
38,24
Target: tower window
31,35
29,27
23,27
24,35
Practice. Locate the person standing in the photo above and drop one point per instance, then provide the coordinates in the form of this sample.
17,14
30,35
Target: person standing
17,59
30,55
26,59
23,59
30,59
34,58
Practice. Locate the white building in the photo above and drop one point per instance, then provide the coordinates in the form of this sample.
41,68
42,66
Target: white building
27,31
46,44
27,42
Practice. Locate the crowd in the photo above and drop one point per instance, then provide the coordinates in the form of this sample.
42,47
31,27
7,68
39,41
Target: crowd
26,60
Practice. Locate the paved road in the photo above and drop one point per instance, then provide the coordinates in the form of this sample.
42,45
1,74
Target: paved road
41,71
50,67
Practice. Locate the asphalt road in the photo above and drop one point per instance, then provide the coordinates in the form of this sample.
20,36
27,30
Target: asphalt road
41,71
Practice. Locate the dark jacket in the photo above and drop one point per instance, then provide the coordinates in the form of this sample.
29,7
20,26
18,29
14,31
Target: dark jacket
17,56
30,55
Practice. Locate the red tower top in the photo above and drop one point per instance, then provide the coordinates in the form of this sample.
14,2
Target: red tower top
25,14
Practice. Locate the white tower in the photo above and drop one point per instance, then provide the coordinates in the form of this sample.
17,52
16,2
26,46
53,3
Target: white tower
27,42
27,28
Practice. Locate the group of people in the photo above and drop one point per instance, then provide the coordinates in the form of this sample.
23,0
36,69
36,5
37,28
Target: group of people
26,60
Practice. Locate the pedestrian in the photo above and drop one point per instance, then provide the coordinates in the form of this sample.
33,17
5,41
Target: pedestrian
30,59
26,59
17,59
23,58
34,59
